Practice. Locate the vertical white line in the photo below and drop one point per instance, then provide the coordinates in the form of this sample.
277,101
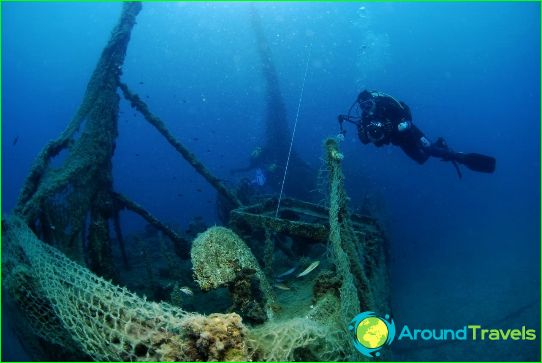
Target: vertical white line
293,133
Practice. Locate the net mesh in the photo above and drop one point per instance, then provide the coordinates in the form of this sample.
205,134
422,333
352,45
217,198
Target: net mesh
68,305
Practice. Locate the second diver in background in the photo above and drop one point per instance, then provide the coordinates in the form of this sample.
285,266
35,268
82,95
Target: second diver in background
381,120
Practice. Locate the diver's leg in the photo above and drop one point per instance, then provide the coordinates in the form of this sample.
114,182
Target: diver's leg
415,145
440,149
416,152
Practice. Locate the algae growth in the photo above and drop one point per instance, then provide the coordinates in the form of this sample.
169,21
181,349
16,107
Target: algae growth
261,287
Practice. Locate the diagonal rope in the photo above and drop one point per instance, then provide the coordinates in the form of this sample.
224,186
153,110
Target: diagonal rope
293,133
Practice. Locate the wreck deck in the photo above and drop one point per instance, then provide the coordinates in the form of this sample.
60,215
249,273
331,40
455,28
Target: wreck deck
296,219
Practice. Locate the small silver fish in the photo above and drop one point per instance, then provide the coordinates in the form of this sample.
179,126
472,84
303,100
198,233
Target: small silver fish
290,271
282,286
186,290
308,270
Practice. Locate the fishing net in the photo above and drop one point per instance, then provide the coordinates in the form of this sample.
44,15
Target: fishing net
67,304
71,207
298,339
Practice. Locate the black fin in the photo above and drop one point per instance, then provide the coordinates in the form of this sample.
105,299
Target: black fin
478,162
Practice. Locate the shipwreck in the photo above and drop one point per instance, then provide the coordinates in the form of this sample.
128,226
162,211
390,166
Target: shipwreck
67,286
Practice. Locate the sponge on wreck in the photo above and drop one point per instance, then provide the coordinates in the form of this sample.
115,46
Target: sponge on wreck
218,256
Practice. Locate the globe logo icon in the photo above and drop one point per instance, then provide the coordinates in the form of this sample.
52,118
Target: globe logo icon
371,333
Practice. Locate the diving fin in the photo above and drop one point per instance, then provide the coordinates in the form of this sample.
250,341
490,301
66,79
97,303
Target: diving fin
477,162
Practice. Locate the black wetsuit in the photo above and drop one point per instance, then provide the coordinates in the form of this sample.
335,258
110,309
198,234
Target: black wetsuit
383,120
395,122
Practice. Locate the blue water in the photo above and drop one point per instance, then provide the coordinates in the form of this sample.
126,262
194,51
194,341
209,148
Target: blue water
464,251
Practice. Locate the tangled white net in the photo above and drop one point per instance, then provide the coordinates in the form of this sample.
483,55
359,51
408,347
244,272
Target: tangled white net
68,305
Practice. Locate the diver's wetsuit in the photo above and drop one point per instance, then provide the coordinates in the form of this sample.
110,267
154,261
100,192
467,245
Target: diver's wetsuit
385,120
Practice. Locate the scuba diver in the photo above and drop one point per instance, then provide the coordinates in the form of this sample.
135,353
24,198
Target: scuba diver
381,120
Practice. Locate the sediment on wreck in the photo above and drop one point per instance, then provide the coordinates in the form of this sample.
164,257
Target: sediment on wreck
57,202
71,206
61,223
66,304
68,295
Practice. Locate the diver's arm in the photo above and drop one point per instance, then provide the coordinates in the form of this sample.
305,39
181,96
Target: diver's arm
407,114
354,120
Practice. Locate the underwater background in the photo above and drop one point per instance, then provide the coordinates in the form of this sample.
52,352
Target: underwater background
463,251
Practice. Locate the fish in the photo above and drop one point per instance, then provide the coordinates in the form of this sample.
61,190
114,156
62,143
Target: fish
289,272
259,178
309,269
186,290
282,286
15,140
